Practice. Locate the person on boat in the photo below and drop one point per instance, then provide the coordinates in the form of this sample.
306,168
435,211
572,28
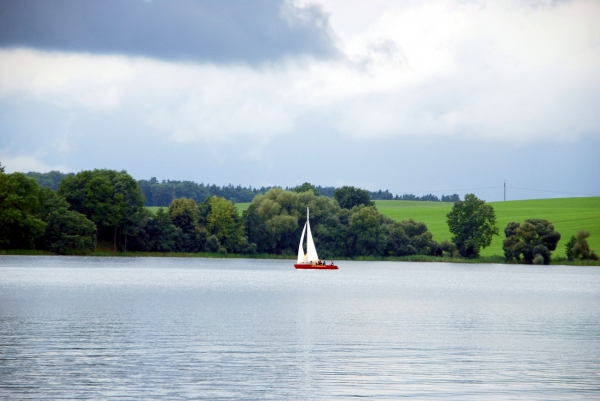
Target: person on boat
332,262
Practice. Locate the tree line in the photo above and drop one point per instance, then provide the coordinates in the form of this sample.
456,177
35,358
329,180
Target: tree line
107,207
161,193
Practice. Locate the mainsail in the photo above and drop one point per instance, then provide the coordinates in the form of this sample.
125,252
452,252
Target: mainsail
310,259
311,251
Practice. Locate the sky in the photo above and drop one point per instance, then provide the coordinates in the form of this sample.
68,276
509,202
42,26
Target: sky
442,97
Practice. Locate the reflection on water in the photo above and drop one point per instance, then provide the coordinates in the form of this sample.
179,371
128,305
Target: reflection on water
162,328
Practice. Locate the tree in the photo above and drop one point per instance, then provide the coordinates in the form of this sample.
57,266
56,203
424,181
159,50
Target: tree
534,241
410,238
50,179
368,236
161,232
274,222
276,214
307,186
107,197
419,237
19,224
255,228
450,198
473,224
578,247
67,232
349,197
131,202
190,225
224,222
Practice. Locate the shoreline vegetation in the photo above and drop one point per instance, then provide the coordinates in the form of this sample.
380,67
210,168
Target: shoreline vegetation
105,213
494,259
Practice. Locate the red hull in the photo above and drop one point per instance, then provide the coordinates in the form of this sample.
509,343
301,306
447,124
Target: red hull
318,267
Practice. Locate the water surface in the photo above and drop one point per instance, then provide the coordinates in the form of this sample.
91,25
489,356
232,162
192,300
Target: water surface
174,328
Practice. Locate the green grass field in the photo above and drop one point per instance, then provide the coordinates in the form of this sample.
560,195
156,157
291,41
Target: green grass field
568,215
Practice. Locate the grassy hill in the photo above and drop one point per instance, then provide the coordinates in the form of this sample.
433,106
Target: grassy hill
568,215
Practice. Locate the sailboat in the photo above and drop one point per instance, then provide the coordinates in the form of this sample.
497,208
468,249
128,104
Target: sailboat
310,259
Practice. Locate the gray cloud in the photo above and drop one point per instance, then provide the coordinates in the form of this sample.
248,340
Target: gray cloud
198,30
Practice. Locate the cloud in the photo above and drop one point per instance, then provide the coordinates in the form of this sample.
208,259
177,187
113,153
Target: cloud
511,73
198,30
29,163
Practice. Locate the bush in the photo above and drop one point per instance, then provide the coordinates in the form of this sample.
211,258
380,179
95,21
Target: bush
448,248
531,242
578,247
69,233
212,244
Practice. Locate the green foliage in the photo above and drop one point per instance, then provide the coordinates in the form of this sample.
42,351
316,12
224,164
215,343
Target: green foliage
448,249
107,197
212,244
569,215
184,214
410,238
160,233
67,232
472,223
187,219
49,180
19,224
224,222
274,223
578,247
349,197
450,198
420,239
531,242
307,186
162,193
276,215
367,234
255,228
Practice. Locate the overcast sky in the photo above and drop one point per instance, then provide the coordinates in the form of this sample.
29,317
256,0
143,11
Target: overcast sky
412,96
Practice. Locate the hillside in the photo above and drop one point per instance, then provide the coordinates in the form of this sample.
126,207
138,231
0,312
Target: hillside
567,214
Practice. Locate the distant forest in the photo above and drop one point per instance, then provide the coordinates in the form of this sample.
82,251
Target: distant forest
162,193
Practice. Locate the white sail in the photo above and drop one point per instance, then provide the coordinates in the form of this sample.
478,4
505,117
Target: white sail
311,251
301,254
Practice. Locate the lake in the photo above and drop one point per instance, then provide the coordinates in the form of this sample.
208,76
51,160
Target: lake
176,328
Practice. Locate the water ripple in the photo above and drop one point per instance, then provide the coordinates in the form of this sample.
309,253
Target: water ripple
145,328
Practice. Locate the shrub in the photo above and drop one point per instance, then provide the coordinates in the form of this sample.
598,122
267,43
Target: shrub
578,247
212,244
531,242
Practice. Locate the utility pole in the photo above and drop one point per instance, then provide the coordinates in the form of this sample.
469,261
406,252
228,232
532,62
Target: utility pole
504,190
